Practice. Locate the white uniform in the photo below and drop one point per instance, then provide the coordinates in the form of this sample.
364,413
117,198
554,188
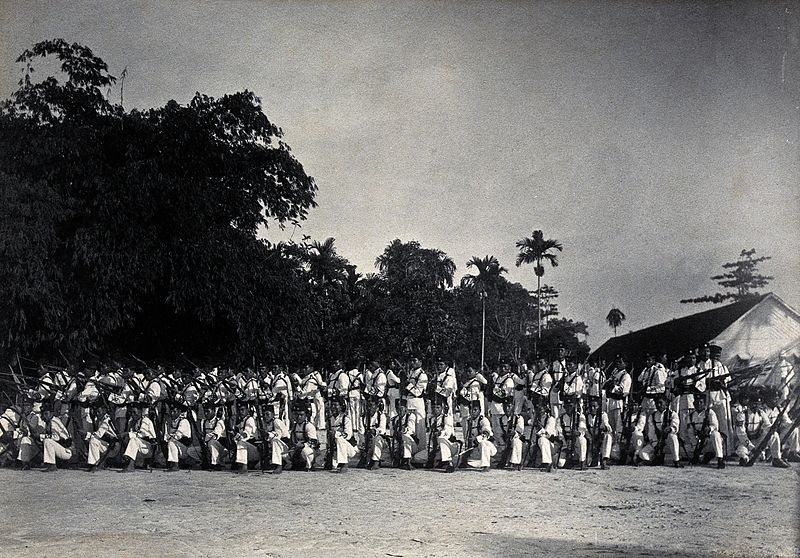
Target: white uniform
416,388
377,422
480,432
214,431
713,440
275,436
472,390
342,428
103,441
179,440
719,400
141,439
246,451
655,433
304,439
406,427
622,388
545,437
653,379
446,386
281,388
309,388
557,370
513,428
56,441
354,398
445,444
601,431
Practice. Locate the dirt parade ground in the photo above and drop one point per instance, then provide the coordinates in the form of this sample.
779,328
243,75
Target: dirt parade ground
646,511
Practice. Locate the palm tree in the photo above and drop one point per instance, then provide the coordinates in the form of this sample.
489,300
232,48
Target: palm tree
487,279
324,263
537,250
615,318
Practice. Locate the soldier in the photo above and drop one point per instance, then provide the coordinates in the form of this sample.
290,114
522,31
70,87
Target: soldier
103,442
342,429
513,428
618,394
504,385
686,383
752,425
572,385
214,434
719,397
141,439
557,370
304,442
375,430
404,434
10,432
246,438
416,390
663,426
540,381
704,433
593,379
275,434
546,432
472,390
446,385
357,383
441,436
571,428
393,387
281,389
653,380
179,439
30,426
310,388
602,439
479,440
56,440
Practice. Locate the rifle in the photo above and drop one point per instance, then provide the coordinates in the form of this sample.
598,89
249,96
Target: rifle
369,441
433,438
468,443
772,429
658,453
397,440
701,440
330,436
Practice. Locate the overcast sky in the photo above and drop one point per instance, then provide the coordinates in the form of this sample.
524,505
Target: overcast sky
655,141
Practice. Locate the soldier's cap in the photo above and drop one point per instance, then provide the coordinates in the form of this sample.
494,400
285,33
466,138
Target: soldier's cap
715,349
400,402
474,404
47,406
300,406
440,360
508,400
704,346
540,356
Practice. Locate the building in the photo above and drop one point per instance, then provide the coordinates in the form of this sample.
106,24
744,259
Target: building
759,337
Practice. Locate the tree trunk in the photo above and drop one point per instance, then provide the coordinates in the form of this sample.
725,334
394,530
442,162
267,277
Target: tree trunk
483,328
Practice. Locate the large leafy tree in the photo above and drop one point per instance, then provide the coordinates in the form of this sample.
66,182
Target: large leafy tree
741,279
140,226
536,250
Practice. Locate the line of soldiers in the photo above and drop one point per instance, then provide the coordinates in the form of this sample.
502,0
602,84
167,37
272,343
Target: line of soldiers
557,414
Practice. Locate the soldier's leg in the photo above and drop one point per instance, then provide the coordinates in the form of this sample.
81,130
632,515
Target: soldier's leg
545,450
516,452
27,449
581,449
97,448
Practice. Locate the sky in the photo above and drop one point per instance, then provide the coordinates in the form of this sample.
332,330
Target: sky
655,140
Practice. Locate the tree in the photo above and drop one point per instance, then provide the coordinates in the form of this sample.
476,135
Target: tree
408,263
141,225
536,250
743,278
615,318
486,280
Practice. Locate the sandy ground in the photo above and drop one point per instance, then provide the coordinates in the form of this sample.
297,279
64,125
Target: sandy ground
647,511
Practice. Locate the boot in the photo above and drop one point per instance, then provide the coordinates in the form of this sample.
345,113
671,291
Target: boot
92,469
677,464
604,463
374,465
584,466
242,469
780,463
25,467
148,464
405,464
449,467
720,463
277,470
49,468
742,462
707,458
342,468
548,468
129,467
172,467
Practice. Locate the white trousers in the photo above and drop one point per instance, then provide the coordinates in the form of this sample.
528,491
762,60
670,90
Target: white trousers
137,448
177,451
446,448
27,449
545,450
416,405
98,448
53,450
486,450
246,452
278,451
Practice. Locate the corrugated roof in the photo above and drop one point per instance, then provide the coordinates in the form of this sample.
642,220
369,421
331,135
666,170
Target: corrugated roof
676,336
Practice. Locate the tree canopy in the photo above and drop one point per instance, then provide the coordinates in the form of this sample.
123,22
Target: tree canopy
741,281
